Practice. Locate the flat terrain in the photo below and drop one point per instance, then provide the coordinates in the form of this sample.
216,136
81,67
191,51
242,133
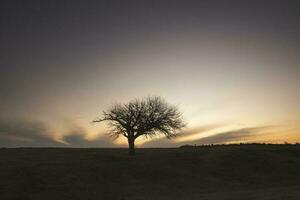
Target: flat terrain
218,172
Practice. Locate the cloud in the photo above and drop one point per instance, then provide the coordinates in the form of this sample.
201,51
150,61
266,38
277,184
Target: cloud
187,133
24,133
248,133
235,135
76,138
198,130
36,134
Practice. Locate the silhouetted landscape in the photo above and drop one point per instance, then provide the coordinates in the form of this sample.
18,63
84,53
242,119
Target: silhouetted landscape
209,172
149,100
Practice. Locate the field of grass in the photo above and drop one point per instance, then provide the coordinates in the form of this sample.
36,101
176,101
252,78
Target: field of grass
217,172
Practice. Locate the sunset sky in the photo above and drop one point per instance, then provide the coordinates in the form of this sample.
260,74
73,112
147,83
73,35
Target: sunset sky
232,67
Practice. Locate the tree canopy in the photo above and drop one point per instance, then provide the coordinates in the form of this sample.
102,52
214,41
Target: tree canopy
147,117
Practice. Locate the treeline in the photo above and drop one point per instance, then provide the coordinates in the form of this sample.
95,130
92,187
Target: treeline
234,144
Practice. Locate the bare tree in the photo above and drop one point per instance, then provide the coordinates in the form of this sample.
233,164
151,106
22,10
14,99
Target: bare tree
147,117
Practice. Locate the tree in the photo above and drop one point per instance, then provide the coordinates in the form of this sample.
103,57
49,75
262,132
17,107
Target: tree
147,117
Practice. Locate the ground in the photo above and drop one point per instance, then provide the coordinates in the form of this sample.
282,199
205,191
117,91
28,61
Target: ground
214,172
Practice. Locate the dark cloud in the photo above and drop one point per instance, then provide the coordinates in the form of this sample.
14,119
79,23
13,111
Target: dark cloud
164,142
218,138
234,135
199,129
25,134
36,134
77,139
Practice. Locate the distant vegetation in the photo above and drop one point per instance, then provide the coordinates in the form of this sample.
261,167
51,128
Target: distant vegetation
233,144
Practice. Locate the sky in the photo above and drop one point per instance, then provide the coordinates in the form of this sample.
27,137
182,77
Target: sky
232,68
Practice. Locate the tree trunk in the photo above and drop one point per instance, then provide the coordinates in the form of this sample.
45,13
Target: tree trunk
131,147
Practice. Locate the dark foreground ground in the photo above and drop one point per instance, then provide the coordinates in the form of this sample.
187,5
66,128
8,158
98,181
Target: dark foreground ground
222,172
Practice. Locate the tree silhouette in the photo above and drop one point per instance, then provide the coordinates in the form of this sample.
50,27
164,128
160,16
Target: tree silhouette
147,117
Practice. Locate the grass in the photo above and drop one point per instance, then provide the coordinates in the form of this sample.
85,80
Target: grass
215,172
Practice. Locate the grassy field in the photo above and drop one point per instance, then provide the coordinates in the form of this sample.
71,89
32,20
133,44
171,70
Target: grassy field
218,172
